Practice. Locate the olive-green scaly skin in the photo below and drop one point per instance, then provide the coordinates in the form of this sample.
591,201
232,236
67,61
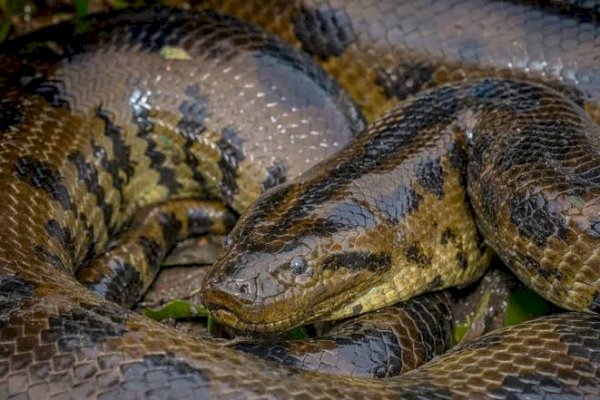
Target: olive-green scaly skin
388,217
69,149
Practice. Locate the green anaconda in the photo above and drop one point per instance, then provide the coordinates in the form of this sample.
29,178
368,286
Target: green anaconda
141,124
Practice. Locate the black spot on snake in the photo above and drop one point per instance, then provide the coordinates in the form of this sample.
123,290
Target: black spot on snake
12,292
166,29
121,164
461,259
121,286
275,175
63,234
87,173
530,385
194,112
85,325
404,79
50,90
230,145
398,204
10,115
431,177
47,256
42,175
170,225
357,260
490,199
154,152
595,303
386,143
435,284
192,162
152,250
534,218
414,255
323,32
458,159
352,214
159,376
447,235
356,310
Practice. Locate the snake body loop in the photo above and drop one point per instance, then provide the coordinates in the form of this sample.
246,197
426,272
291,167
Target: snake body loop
137,122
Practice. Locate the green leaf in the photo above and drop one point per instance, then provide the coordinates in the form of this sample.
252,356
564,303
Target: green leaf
461,329
298,333
524,304
174,53
82,8
4,28
176,309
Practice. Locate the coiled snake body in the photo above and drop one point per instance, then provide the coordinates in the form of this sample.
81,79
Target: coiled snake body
123,126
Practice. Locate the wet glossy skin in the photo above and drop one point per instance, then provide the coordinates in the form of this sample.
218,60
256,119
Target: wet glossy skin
387,218
58,339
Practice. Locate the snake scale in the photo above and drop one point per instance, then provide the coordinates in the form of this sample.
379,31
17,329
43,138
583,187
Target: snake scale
122,122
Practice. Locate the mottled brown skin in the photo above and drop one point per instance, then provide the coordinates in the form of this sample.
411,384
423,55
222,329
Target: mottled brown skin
384,343
57,339
382,51
387,218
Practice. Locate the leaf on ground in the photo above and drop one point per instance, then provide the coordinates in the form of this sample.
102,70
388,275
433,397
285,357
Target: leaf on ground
524,304
176,309
174,53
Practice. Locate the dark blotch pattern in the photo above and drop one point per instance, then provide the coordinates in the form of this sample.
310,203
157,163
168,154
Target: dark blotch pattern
192,162
153,252
10,115
230,145
123,286
49,90
158,160
12,292
435,284
121,163
431,177
404,80
357,260
534,218
275,175
323,32
159,376
399,204
461,259
170,225
42,175
595,304
490,200
414,255
46,256
84,326
533,385
447,235
63,234
87,173
194,112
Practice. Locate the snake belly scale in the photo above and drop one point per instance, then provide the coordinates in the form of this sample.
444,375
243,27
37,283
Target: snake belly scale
97,129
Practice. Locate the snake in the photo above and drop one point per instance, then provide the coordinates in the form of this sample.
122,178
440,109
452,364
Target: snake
124,132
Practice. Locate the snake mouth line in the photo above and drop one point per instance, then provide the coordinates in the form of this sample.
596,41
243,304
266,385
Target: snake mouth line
231,319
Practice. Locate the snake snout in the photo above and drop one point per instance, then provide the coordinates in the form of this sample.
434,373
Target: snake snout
232,291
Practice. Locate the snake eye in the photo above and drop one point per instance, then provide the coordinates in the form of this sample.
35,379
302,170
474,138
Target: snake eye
298,265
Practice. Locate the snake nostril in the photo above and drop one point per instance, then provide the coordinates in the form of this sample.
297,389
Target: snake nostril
216,279
243,289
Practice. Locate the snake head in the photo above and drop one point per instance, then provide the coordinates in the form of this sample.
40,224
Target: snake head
289,262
